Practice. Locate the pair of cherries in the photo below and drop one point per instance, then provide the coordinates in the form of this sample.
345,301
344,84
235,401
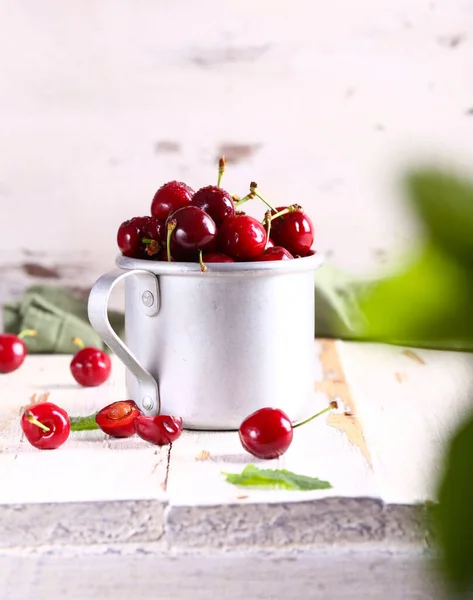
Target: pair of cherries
47,426
207,226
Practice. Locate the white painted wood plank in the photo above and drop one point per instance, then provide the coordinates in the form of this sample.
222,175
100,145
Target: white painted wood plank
408,411
317,450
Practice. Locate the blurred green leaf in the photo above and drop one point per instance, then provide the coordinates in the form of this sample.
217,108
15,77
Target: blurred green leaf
454,512
427,302
254,477
444,203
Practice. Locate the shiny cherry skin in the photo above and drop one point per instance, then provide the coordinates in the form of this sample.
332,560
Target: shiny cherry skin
170,197
131,233
216,257
13,352
216,202
117,419
91,367
51,416
267,433
242,237
293,231
275,253
195,230
129,237
160,430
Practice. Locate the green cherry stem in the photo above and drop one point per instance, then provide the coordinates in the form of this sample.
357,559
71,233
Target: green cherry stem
285,211
32,419
254,191
78,342
331,406
249,196
221,170
27,333
267,222
171,227
203,267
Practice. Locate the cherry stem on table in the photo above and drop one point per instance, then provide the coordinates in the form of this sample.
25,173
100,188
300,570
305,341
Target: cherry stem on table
331,406
78,342
27,333
171,227
254,191
221,170
34,421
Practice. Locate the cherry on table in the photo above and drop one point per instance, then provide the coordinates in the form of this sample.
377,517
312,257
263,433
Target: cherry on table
274,253
170,197
90,366
242,237
160,430
216,202
13,350
46,426
293,231
117,419
268,432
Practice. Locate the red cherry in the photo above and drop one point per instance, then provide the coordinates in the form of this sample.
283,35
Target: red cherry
117,419
169,198
216,202
275,253
294,231
267,433
45,425
242,237
90,367
160,430
216,257
12,352
129,237
192,230
131,233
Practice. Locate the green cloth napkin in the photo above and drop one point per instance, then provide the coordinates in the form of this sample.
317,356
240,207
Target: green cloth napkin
58,316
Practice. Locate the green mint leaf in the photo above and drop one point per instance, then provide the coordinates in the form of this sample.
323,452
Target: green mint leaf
252,476
84,423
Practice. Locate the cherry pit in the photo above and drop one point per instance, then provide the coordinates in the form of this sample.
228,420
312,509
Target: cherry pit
207,226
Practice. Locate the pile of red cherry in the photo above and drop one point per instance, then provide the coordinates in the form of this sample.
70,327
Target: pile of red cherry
207,227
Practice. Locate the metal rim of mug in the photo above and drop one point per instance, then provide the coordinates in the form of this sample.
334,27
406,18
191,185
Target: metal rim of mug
274,267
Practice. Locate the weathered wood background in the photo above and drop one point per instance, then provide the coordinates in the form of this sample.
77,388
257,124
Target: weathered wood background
321,103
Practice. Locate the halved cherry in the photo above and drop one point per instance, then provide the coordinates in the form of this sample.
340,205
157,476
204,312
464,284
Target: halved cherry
117,419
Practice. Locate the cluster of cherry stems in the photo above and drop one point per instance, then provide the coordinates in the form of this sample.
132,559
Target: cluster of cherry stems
203,226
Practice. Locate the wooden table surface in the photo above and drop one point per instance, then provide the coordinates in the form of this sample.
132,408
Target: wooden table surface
382,447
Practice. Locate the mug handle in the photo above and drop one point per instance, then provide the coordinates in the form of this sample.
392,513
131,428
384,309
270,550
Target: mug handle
148,301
